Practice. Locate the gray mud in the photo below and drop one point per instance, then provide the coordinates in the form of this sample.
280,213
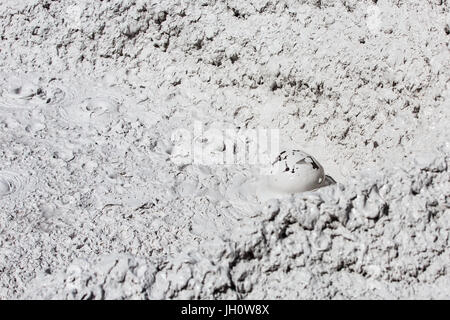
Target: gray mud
96,200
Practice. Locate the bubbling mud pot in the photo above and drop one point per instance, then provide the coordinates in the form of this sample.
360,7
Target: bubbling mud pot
291,173
295,171
95,185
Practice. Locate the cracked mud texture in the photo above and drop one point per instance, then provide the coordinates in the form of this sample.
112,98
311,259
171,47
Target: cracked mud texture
93,207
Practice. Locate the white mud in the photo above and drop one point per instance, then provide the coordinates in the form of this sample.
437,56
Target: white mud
99,198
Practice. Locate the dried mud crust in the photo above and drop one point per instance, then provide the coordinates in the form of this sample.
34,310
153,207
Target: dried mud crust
361,240
91,206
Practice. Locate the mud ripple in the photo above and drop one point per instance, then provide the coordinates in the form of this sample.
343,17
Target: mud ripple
20,92
12,182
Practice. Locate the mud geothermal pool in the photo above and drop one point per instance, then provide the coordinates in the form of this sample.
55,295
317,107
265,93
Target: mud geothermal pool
104,104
